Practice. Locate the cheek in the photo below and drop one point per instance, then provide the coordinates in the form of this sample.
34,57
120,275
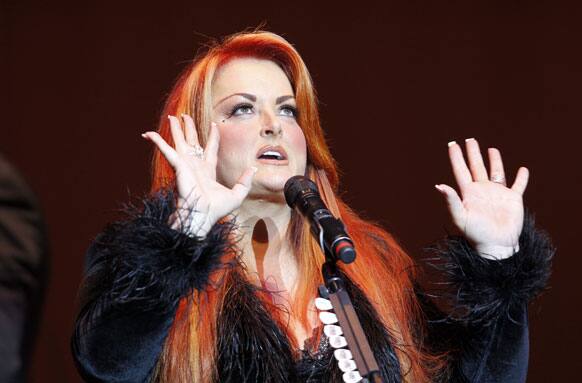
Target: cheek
236,137
299,144
226,144
232,156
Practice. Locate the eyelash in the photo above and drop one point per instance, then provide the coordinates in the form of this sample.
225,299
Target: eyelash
291,108
237,107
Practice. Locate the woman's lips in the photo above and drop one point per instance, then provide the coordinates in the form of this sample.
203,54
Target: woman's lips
270,150
268,161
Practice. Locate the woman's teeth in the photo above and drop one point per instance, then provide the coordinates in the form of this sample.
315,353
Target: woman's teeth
272,155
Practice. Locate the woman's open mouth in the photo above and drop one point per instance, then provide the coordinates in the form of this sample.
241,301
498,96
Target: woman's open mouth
274,155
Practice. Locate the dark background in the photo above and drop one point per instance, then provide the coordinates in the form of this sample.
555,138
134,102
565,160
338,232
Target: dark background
396,81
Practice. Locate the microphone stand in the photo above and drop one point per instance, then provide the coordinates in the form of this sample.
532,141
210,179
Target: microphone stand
301,193
335,291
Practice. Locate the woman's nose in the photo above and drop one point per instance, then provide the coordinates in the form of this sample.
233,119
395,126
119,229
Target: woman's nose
271,126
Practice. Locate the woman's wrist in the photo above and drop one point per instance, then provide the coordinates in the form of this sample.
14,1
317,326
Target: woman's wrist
185,220
496,252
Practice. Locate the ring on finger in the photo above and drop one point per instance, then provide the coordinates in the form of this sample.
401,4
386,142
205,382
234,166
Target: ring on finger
498,178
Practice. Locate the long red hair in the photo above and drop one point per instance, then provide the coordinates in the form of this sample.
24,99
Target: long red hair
383,271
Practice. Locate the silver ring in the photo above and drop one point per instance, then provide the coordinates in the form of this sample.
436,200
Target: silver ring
497,178
197,152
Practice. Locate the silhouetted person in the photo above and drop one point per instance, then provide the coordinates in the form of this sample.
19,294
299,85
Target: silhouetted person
23,270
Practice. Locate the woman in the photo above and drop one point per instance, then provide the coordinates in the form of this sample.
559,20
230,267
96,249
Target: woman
215,278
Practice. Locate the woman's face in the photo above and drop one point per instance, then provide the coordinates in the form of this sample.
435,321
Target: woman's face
254,108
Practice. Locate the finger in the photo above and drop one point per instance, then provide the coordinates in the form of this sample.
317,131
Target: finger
190,130
243,185
454,203
496,171
475,160
211,150
521,180
163,146
177,134
460,169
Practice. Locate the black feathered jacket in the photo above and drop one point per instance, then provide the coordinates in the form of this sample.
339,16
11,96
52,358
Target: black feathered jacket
138,269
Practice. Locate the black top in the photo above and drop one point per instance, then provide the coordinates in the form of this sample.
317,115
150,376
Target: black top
23,272
139,268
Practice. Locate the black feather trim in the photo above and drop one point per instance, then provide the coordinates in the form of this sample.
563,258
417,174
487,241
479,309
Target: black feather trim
138,270
252,348
144,261
483,289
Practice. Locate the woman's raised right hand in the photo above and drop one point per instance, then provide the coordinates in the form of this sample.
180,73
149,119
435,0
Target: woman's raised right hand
202,201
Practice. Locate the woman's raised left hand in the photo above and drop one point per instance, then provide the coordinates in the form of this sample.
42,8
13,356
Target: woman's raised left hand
489,213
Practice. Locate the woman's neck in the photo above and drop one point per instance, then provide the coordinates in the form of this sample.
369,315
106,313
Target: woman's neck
266,250
269,256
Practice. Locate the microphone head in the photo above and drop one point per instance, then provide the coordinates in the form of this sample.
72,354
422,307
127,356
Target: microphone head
296,186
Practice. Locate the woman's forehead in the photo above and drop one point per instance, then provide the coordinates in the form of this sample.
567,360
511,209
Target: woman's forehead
250,75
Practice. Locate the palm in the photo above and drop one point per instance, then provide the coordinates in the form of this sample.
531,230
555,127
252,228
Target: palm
488,213
202,200
493,213
197,188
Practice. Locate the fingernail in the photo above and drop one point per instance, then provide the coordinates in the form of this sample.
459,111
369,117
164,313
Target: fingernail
144,135
438,187
213,124
469,139
169,117
451,143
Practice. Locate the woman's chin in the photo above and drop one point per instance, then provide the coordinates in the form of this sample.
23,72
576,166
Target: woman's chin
271,183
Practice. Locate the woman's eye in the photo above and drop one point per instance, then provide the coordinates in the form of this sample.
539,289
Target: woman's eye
241,109
289,111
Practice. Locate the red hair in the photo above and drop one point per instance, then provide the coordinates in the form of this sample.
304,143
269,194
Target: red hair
383,271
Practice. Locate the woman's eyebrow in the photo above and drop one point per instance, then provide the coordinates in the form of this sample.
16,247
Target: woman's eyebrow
282,99
245,95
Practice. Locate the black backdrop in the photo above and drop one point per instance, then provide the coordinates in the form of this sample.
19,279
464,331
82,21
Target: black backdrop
396,82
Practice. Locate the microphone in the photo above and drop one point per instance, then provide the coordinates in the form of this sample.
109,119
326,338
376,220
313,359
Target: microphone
301,193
